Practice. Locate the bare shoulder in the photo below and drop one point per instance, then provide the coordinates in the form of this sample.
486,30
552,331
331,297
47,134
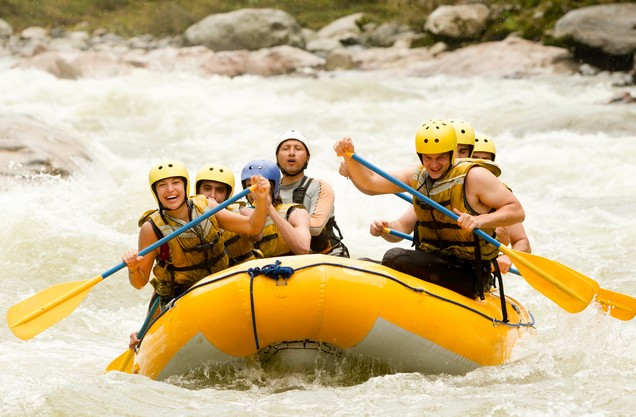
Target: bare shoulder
478,174
146,229
147,235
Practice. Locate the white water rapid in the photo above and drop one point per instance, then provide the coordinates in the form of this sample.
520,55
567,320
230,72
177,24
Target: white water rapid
568,156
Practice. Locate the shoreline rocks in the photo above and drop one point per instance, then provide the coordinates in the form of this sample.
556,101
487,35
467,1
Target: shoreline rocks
270,42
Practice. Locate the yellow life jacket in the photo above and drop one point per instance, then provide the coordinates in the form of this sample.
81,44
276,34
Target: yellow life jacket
436,232
191,256
239,248
272,243
486,163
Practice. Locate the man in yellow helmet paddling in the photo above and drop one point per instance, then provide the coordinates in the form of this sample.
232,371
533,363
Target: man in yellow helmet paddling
446,251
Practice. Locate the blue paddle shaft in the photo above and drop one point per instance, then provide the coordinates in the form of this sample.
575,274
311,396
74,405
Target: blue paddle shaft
180,230
421,196
148,319
400,234
405,197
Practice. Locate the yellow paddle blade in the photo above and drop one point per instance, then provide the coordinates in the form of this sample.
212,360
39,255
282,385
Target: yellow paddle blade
37,313
122,363
620,306
557,282
617,305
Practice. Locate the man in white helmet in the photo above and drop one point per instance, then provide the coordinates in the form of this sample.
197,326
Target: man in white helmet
292,157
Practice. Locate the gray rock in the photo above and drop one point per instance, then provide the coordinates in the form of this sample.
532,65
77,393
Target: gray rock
463,22
249,29
339,59
5,29
343,28
30,147
609,28
510,58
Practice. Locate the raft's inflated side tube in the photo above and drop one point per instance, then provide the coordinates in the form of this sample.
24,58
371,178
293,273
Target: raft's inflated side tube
334,304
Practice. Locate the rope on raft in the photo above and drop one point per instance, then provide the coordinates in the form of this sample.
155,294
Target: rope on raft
274,271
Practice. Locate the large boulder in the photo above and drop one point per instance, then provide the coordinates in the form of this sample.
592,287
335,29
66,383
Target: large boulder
604,35
30,147
345,29
462,22
249,29
510,58
5,29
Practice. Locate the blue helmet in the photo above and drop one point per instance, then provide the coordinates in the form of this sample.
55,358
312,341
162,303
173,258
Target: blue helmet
265,168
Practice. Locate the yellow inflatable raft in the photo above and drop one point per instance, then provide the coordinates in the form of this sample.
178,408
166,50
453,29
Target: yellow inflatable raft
318,303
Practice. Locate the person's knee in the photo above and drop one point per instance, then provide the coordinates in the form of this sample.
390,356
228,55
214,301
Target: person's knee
389,258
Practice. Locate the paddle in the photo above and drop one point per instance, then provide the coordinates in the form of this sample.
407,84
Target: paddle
37,313
620,306
123,362
557,282
405,197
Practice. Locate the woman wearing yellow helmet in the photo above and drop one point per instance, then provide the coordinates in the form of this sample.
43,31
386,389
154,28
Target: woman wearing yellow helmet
195,253
448,255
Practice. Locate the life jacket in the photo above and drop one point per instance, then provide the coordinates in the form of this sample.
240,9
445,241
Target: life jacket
272,243
486,163
327,242
435,232
189,257
239,248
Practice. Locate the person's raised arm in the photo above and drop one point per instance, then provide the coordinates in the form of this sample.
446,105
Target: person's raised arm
363,178
253,223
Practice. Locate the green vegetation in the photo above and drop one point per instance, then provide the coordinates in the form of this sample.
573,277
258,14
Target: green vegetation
127,18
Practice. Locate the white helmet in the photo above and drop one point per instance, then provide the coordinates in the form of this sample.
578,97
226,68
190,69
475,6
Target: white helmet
293,134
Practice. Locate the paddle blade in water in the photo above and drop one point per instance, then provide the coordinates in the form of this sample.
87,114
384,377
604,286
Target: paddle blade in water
37,313
122,363
557,282
620,306
617,305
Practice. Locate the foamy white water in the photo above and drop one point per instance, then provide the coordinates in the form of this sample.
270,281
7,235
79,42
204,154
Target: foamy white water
567,155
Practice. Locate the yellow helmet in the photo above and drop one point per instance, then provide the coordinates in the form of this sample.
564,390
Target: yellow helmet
465,133
218,173
436,136
168,169
484,143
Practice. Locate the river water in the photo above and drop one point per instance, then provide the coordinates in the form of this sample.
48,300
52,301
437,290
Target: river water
567,155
